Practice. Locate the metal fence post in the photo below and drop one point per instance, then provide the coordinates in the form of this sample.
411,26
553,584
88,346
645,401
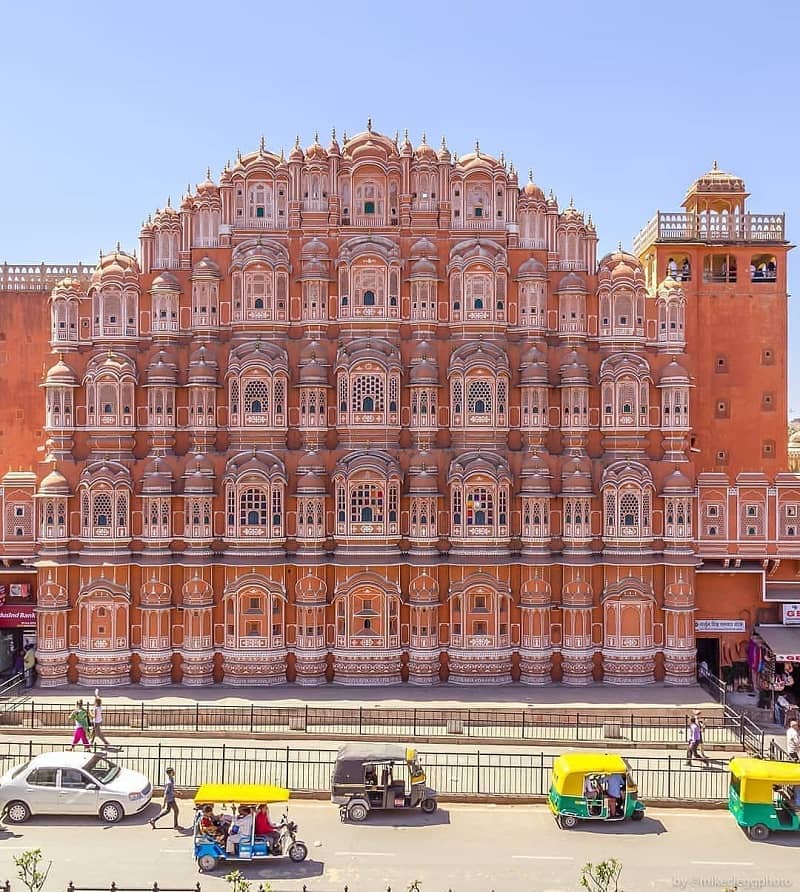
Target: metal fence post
33,714
415,722
286,770
197,716
252,711
360,731
522,726
222,780
158,762
478,772
30,750
141,716
669,777
305,722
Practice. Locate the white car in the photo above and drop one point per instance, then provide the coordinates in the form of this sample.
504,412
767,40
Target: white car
68,783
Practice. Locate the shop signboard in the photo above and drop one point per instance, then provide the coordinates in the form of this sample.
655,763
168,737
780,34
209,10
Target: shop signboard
15,591
15,616
719,625
791,614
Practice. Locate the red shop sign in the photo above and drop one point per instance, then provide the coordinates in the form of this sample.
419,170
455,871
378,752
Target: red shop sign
13,616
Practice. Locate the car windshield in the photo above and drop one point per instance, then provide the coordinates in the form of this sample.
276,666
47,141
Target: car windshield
104,770
19,769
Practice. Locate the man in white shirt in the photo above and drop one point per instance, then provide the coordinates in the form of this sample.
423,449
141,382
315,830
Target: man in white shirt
241,830
793,741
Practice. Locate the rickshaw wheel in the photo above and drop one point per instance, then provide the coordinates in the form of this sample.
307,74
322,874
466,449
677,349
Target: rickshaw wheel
637,815
568,822
357,812
758,832
298,852
206,862
429,806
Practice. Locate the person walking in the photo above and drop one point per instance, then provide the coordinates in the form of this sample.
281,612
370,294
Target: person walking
694,741
80,716
97,721
793,741
29,665
170,801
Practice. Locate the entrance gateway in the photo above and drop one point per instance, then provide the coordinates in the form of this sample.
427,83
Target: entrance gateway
17,623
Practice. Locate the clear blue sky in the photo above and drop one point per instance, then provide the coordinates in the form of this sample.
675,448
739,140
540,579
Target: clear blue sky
108,108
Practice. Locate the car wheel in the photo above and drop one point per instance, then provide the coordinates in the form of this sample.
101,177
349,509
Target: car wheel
569,822
428,806
298,851
17,812
111,812
357,812
759,832
206,862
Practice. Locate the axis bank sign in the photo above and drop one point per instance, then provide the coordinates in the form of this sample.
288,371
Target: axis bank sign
791,614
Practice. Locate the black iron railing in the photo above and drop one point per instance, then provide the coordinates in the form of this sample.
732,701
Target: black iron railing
451,773
724,729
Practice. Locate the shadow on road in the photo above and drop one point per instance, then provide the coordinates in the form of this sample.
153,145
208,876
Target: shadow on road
645,827
403,818
277,869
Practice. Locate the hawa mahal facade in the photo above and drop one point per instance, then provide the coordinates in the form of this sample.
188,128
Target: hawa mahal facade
374,414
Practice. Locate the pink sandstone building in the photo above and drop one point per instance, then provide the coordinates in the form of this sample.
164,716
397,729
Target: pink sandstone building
375,414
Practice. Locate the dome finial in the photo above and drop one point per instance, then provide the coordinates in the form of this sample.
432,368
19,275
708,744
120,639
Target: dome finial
369,125
424,139
297,141
282,157
444,143
316,137
571,203
208,172
333,134
169,201
238,154
714,166
619,246
262,145
478,148
530,174
118,248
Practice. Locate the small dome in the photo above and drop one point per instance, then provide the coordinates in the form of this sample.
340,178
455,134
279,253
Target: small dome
118,266
673,372
157,479
165,282
206,268
677,481
162,370
531,190
315,152
203,367
313,368
576,475
61,374
311,482
423,269
424,152
532,269
424,372
208,187
571,282
424,247
620,266
297,153
315,247
199,475
535,474
717,180
574,370
55,483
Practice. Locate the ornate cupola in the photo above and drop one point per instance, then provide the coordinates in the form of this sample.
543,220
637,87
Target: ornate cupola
314,390
534,385
310,494
424,500
202,384
59,385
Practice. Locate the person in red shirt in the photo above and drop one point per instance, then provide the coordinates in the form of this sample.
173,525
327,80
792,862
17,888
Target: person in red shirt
265,827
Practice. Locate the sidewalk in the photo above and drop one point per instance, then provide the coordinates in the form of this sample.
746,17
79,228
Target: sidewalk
555,697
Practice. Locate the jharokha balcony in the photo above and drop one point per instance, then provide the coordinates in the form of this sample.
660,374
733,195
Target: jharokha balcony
708,226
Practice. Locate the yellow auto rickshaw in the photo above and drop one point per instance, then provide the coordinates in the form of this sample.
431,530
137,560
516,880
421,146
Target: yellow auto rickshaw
593,787
764,796
233,837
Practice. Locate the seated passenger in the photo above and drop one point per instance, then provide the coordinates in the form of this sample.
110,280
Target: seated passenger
211,826
265,827
615,784
593,794
241,830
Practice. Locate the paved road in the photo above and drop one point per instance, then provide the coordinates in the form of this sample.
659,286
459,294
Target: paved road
466,848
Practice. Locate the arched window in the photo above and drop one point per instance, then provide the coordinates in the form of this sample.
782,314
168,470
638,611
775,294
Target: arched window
253,508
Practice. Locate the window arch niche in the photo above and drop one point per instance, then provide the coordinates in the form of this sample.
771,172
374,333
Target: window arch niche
479,399
369,394
367,618
628,621
255,508
105,512
257,398
374,290
628,511
478,294
479,502
479,617
64,320
254,618
260,204
260,293
103,621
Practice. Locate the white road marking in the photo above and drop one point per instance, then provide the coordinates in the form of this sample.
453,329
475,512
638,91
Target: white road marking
174,851
724,863
369,854
546,857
